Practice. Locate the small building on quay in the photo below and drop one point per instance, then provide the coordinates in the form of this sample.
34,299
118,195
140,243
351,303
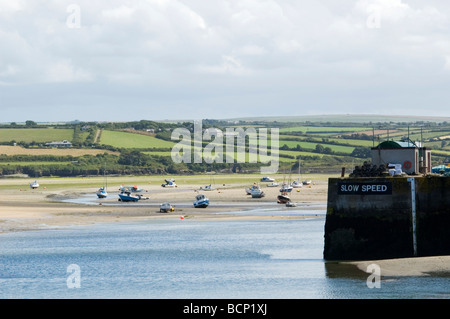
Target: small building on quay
389,215
412,156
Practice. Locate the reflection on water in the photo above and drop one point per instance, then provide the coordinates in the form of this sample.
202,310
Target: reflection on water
191,259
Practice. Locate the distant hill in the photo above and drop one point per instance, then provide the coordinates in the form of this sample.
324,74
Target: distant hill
348,118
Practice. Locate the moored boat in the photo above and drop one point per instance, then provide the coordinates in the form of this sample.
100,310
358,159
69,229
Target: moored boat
291,204
285,188
131,189
283,199
169,183
207,188
166,207
128,197
102,193
257,193
34,185
252,188
296,184
201,201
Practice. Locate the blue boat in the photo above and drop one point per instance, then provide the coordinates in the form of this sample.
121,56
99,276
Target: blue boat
169,183
201,201
128,197
102,193
132,189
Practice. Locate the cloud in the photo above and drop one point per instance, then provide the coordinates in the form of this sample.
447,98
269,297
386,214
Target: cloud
227,54
64,71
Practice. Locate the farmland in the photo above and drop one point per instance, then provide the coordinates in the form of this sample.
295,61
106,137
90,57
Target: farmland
38,135
145,147
17,150
120,139
318,130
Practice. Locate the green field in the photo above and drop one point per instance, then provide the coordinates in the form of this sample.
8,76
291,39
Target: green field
34,163
129,140
350,142
322,129
38,135
312,146
294,154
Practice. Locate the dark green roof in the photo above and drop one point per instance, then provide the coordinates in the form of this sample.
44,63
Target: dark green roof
395,144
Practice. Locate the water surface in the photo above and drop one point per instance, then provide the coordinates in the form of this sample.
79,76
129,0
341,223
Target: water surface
174,258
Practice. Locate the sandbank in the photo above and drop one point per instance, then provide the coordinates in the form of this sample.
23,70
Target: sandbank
22,208
400,267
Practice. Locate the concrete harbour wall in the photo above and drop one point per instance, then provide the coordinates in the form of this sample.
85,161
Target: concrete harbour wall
389,217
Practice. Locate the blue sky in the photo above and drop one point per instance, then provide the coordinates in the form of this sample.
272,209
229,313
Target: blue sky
195,59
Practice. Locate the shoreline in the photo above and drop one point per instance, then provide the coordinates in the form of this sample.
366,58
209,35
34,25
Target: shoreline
23,209
429,266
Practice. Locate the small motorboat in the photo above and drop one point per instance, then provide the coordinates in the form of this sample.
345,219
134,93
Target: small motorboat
257,193
207,188
131,189
283,199
286,188
252,188
201,201
128,197
273,184
102,193
166,207
296,184
34,185
291,204
169,183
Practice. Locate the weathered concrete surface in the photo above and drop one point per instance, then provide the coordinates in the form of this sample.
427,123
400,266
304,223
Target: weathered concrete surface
378,224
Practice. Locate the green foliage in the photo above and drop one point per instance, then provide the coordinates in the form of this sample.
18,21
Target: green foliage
129,140
35,135
361,152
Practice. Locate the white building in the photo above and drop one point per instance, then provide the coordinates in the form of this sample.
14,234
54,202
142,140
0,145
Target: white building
412,157
61,144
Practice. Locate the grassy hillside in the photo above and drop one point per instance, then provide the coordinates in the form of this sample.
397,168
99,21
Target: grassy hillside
129,148
120,139
38,135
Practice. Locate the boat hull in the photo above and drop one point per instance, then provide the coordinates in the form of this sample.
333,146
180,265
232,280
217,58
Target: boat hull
128,198
201,204
258,194
101,193
283,199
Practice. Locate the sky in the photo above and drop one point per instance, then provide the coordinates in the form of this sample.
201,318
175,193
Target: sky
196,59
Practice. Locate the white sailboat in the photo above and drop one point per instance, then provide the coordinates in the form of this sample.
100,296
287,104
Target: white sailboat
298,183
209,187
102,191
34,185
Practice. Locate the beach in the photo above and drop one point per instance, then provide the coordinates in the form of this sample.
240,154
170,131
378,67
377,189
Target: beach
23,208
56,206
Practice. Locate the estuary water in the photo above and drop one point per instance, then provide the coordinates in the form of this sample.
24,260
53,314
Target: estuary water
188,258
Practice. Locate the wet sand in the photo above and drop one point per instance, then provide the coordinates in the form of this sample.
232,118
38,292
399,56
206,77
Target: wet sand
23,209
418,266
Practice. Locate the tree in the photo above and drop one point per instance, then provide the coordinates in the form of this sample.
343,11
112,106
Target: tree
361,152
30,123
134,158
320,148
